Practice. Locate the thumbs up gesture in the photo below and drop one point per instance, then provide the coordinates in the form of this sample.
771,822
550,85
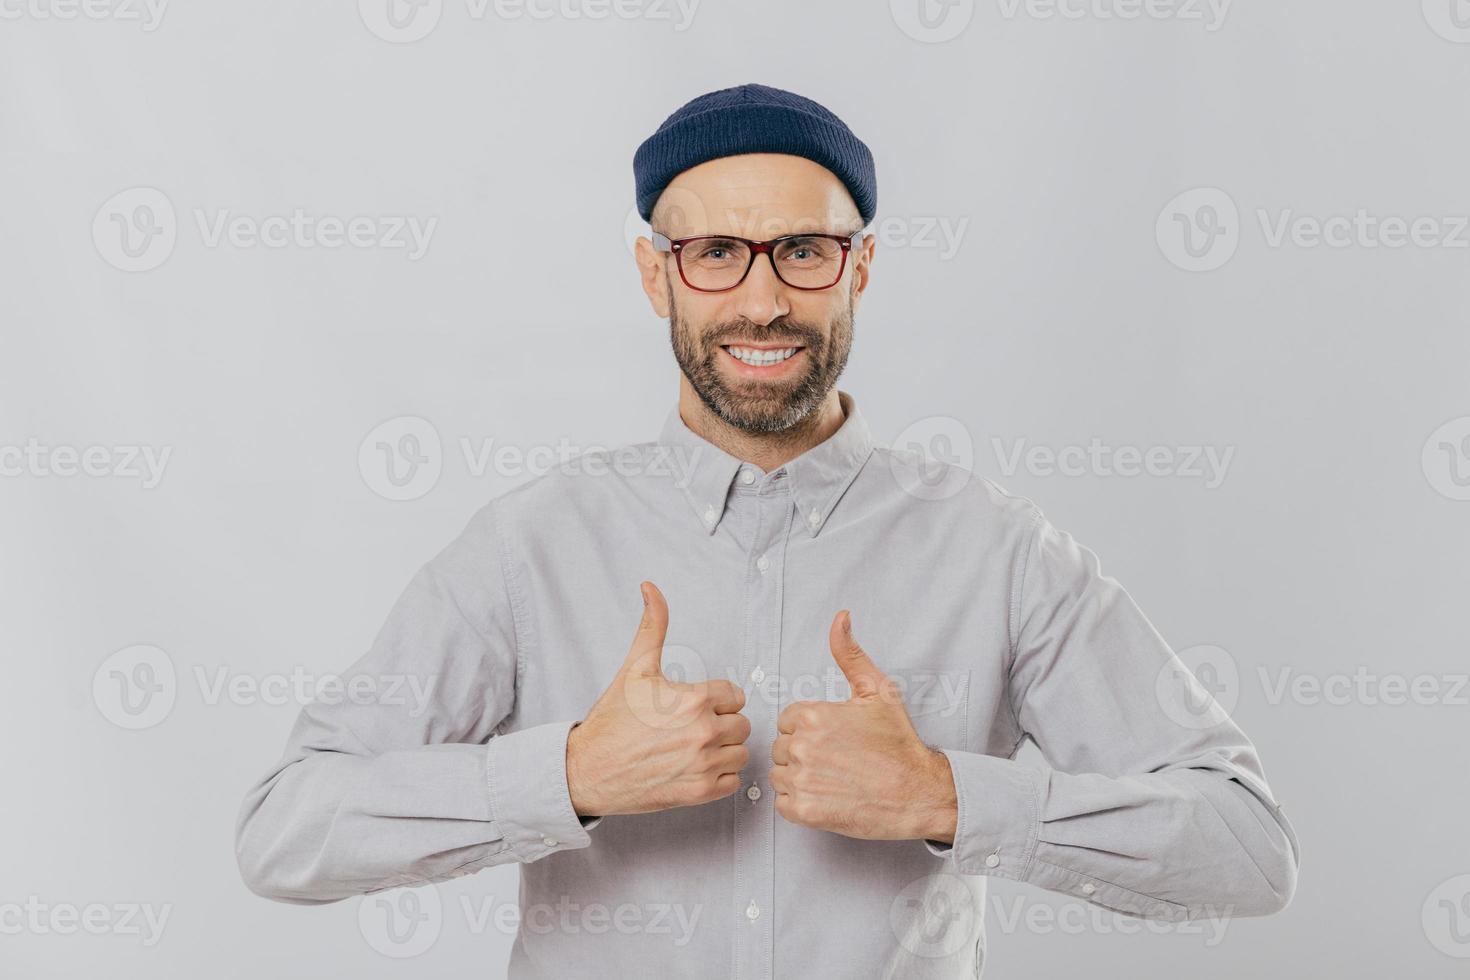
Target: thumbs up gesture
858,767
650,743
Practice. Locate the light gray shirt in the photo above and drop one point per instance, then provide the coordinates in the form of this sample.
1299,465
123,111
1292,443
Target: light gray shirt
998,626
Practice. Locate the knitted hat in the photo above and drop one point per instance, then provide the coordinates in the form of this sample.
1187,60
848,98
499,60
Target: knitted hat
753,119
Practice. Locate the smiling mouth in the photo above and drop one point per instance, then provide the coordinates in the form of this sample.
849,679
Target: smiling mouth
761,356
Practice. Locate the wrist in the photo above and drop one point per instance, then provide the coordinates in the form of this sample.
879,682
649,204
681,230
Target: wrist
938,807
577,789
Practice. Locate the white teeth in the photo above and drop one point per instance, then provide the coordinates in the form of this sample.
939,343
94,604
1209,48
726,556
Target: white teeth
761,358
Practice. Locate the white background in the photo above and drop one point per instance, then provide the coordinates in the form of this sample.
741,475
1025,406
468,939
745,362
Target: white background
1062,313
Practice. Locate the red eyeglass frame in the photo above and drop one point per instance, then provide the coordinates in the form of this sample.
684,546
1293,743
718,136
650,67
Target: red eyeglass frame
664,243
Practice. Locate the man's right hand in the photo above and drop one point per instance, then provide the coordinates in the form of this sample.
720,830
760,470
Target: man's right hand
650,743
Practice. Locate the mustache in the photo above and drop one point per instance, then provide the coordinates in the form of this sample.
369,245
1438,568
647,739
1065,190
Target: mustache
773,332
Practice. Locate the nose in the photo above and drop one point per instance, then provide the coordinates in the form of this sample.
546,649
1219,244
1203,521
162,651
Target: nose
761,297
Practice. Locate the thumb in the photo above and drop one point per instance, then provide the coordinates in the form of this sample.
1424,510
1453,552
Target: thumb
864,676
645,656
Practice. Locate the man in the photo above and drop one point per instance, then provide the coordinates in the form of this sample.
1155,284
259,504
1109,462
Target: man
803,765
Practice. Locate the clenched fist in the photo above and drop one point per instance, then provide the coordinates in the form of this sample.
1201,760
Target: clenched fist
650,743
858,767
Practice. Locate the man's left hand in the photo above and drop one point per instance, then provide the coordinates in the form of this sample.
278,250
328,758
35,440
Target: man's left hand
858,767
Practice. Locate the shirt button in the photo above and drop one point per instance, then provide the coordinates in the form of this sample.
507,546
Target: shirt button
992,860
757,675
763,563
550,841
1088,888
747,477
752,911
709,514
814,518
754,792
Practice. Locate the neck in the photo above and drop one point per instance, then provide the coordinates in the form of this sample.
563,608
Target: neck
766,450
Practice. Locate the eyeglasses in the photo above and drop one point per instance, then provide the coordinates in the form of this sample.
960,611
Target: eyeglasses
715,263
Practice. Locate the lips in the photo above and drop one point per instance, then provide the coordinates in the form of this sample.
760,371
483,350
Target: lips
761,355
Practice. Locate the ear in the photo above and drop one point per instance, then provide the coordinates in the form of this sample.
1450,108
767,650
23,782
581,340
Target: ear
862,260
652,271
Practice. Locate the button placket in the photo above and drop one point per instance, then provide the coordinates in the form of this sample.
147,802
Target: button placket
754,816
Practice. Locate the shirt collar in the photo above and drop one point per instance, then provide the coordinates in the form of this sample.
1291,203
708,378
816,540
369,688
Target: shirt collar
818,476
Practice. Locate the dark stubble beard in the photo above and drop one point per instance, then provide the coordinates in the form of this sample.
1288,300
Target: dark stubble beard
761,407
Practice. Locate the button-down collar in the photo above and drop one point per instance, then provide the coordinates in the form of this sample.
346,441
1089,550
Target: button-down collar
818,477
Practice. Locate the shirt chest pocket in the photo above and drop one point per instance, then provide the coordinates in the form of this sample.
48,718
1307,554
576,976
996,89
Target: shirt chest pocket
938,703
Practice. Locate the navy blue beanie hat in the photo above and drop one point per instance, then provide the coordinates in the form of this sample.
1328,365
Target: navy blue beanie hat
753,119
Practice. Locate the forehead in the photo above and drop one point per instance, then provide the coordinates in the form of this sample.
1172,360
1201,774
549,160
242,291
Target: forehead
756,195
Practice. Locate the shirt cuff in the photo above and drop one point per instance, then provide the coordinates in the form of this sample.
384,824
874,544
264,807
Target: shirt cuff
999,816
526,772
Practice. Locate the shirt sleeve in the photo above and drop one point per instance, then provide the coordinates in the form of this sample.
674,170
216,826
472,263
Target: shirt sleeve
402,774
1156,804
